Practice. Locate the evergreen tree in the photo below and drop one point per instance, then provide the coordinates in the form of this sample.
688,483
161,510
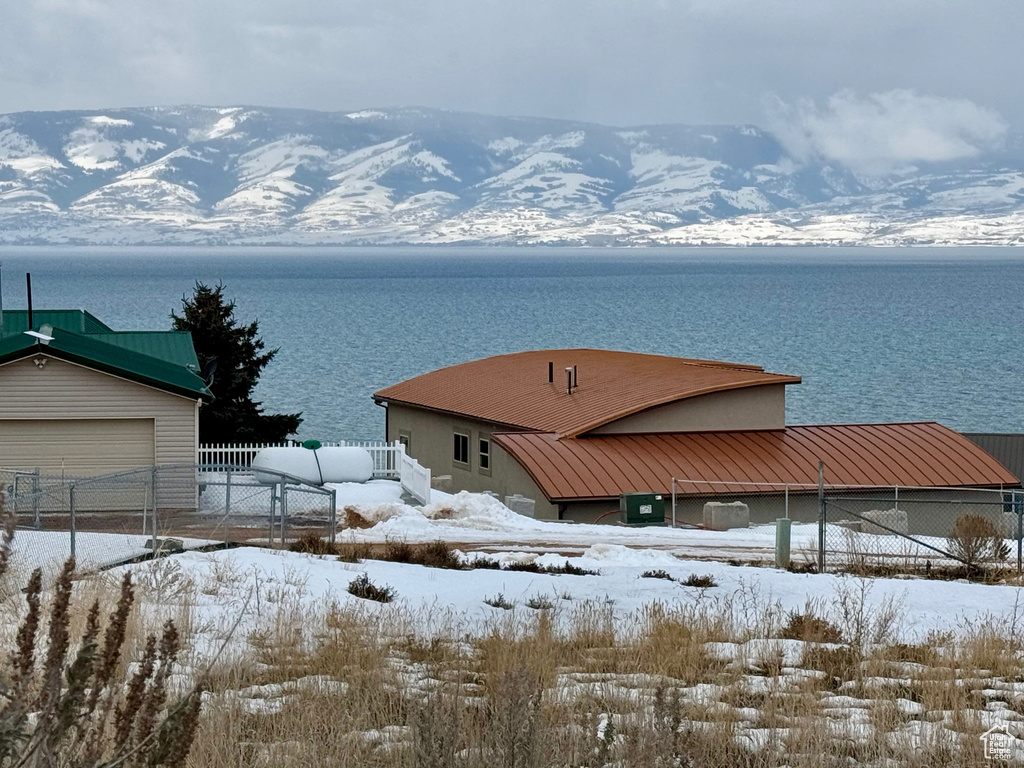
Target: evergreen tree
233,355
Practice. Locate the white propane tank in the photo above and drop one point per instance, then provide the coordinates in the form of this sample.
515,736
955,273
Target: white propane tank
313,465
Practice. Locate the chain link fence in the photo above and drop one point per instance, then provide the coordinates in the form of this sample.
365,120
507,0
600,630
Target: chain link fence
113,519
917,530
858,529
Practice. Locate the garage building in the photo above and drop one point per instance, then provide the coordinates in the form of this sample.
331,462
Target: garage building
79,399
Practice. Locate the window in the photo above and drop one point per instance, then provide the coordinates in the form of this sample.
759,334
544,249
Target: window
461,449
404,439
485,454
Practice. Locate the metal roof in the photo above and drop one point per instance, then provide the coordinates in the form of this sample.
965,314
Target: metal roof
923,454
1006,448
513,390
74,320
173,346
90,351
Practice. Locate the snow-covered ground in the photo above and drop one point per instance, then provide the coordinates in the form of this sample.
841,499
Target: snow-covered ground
485,523
233,603
483,527
49,549
249,584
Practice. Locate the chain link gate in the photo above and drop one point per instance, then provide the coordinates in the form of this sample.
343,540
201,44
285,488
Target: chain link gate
913,530
112,519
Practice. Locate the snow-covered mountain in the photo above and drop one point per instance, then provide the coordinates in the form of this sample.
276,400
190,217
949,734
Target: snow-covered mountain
254,175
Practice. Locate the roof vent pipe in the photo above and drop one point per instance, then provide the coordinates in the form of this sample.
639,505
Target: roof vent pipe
551,373
28,288
568,380
575,381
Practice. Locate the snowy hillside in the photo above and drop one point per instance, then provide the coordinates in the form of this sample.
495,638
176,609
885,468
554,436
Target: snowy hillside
241,175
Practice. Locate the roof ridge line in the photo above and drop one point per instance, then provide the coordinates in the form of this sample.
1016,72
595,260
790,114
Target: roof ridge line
874,424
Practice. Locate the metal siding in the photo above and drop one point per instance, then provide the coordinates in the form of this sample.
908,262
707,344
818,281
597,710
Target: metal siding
62,390
879,455
1007,448
77,447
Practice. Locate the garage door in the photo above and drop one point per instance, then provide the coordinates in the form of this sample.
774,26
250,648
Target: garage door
85,447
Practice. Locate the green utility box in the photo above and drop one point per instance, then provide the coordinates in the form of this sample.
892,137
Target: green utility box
642,509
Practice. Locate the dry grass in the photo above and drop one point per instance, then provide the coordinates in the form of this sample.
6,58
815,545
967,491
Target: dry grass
975,541
570,690
570,686
68,695
724,680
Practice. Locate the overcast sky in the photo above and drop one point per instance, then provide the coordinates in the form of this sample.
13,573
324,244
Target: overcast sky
612,61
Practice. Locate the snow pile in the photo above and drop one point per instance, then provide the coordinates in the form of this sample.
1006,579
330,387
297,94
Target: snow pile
619,555
594,558
464,510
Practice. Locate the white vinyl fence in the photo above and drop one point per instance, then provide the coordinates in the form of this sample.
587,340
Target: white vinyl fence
242,454
390,461
415,478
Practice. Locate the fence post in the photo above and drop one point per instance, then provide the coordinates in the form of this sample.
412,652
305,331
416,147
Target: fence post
334,514
1018,505
73,525
673,502
273,509
149,502
152,481
227,495
284,515
35,497
821,517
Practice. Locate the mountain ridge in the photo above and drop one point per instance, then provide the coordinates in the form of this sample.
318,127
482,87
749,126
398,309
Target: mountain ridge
257,175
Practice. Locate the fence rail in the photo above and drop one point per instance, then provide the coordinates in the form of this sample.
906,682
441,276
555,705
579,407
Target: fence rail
242,454
390,461
415,479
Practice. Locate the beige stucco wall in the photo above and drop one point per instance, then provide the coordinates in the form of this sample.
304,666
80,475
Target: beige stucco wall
62,390
752,408
431,437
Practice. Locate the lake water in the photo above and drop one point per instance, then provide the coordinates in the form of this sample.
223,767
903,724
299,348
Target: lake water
877,335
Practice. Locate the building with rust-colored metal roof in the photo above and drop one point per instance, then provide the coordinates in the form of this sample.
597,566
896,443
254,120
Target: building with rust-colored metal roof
574,391
574,429
862,455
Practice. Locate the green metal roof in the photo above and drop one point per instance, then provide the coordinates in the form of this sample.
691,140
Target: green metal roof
102,356
74,320
173,346
162,359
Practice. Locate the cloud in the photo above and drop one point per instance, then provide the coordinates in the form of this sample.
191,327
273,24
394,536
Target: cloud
885,132
623,63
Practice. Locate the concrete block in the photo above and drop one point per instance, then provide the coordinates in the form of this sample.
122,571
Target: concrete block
521,505
896,519
165,546
719,516
442,483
